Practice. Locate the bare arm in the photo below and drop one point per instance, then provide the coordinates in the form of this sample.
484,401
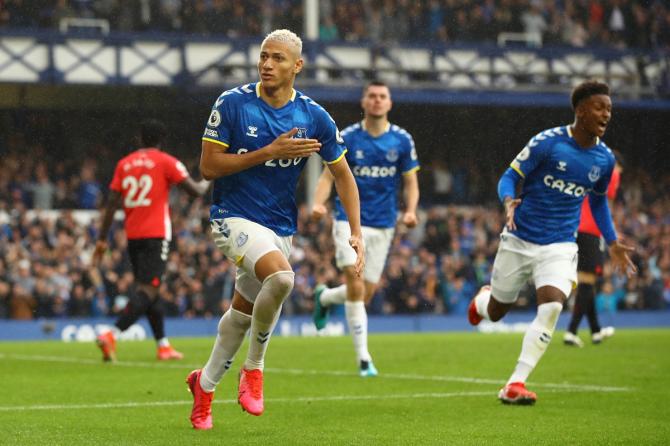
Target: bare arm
215,161
348,193
411,192
194,188
323,189
113,204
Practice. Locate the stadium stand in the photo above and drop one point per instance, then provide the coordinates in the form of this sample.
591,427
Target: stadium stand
621,24
434,269
447,43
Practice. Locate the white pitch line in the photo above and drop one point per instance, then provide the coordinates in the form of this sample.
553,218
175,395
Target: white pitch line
399,376
303,399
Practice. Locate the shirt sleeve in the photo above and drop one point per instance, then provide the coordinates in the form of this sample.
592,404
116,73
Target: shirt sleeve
332,144
602,185
409,162
219,125
531,156
175,171
507,184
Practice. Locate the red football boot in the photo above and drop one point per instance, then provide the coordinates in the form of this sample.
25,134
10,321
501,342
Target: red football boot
201,413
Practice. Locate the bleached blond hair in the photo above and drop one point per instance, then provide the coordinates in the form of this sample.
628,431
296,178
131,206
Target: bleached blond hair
287,37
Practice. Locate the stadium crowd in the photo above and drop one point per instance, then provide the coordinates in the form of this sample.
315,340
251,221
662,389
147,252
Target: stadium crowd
616,23
435,268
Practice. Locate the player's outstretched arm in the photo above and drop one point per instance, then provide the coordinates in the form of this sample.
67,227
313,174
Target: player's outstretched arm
620,256
195,188
506,193
112,205
619,251
324,187
411,193
345,184
215,161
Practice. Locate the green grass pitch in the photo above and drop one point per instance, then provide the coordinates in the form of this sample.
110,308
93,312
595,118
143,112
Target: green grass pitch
433,389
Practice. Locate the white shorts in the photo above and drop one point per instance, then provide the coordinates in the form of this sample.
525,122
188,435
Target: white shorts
517,261
377,243
244,242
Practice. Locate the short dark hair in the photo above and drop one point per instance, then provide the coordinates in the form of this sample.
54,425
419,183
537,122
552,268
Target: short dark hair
587,89
152,133
375,83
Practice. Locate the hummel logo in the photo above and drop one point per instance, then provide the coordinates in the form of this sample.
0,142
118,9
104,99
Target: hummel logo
562,166
262,338
221,227
252,131
227,364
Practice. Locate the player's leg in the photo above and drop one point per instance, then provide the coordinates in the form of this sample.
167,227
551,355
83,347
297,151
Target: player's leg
231,331
598,333
584,304
511,270
360,291
149,271
145,258
261,254
357,317
274,272
587,264
324,297
554,274
276,276
232,328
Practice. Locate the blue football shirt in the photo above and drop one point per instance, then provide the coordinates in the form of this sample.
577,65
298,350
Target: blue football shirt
377,164
557,175
243,122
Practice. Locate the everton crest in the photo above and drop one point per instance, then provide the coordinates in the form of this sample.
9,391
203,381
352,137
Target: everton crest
392,155
594,174
302,133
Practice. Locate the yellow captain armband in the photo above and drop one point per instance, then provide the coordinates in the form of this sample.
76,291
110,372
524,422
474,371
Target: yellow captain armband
337,160
216,142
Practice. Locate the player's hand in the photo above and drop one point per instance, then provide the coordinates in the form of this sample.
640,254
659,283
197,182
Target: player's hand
287,147
318,211
100,248
356,242
510,205
409,219
619,253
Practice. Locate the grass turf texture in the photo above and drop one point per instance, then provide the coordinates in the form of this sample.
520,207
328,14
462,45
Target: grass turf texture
432,389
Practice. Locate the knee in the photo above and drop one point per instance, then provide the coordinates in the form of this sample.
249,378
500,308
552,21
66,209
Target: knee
549,312
236,319
280,282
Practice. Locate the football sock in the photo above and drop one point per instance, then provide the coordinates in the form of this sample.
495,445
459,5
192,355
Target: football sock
155,315
585,293
482,303
163,342
536,340
232,328
331,296
357,320
590,306
137,307
276,287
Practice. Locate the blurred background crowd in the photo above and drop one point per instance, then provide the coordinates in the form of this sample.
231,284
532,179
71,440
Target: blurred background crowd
614,23
62,161
435,268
